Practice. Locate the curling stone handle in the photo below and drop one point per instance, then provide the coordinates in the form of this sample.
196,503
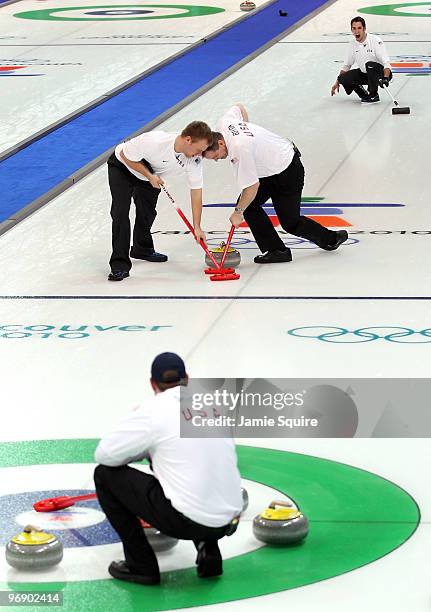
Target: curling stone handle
283,504
30,528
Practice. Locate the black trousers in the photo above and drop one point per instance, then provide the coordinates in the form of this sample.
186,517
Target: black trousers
124,186
285,190
125,494
352,78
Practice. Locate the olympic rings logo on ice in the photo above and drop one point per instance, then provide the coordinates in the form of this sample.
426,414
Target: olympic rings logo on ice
342,335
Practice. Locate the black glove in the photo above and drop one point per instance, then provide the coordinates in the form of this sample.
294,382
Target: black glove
384,82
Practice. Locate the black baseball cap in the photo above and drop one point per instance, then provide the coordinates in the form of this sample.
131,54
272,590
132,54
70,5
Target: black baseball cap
168,368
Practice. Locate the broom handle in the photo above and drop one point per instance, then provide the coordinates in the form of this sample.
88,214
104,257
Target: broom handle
391,96
189,225
226,248
83,497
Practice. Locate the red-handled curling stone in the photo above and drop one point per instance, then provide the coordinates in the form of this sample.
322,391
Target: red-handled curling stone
159,541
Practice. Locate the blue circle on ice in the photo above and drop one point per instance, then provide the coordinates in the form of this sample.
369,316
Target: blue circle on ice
83,524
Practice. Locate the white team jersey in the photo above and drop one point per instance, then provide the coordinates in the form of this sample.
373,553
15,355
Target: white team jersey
371,50
199,475
158,149
253,151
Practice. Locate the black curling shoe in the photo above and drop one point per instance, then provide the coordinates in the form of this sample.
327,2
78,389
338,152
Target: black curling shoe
149,256
121,571
209,560
341,236
118,275
371,99
274,257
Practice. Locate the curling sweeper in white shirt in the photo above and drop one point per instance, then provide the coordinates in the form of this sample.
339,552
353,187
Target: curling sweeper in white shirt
369,54
267,166
137,169
194,492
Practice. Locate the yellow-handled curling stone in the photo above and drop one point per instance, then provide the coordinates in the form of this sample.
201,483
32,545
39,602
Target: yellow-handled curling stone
280,524
33,549
233,257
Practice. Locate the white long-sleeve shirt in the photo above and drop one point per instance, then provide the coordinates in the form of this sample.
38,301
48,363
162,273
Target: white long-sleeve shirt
200,476
372,49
